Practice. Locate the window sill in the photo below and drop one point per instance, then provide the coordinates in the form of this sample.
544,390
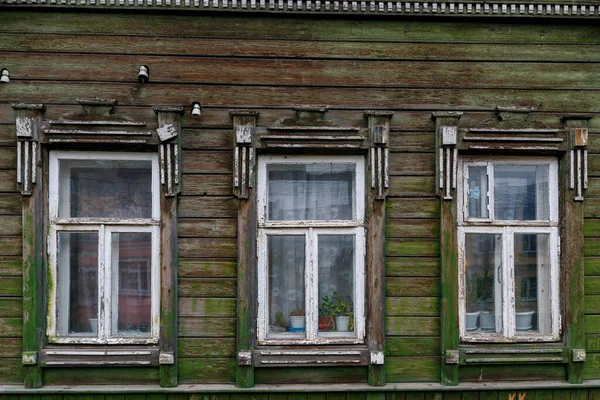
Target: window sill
99,356
310,357
514,354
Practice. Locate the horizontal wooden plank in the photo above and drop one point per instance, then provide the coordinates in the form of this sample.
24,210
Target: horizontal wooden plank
295,49
402,163
403,228
230,26
593,189
10,347
8,181
207,247
412,306
412,326
592,266
11,245
412,247
11,327
499,373
101,376
11,225
407,141
207,287
591,227
412,186
412,286
412,266
207,207
10,204
412,369
11,306
308,375
311,72
592,324
207,139
591,368
268,96
412,346
591,246
8,158
196,227
11,266
591,285
11,286
207,327
592,343
413,208
201,268
207,185
592,304
207,307
206,370
11,370
206,347
197,161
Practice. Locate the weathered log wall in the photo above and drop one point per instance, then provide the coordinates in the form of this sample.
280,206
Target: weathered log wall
268,64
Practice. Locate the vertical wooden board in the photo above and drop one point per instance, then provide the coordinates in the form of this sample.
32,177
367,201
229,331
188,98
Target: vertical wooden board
297,396
470,395
355,396
561,394
489,395
136,396
88,397
278,396
375,396
220,396
415,395
316,396
395,396
259,396
336,396
9,397
119,397
198,396
239,396
452,395
579,394
594,394
434,396
57,397
177,396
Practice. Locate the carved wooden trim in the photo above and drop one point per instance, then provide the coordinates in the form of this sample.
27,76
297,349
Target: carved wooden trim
274,357
446,127
244,156
169,149
379,152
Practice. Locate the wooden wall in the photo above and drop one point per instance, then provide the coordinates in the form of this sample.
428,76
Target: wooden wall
269,64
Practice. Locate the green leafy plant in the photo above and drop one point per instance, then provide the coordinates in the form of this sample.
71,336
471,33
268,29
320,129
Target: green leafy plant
280,319
340,307
297,312
326,308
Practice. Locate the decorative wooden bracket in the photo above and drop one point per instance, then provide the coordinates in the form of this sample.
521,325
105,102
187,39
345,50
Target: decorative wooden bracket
379,153
169,149
446,127
576,126
578,355
452,357
29,117
30,358
244,358
244,159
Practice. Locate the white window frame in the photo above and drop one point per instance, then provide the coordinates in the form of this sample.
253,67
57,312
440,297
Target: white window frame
106,279
311,229
507,229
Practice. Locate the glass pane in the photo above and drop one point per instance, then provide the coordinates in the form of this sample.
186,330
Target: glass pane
477,199
532,282
286,283
336,283
105,189
78,283
521,192
483,277
311,192
132,289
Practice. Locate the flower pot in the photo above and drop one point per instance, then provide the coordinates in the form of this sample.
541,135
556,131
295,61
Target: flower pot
94,325
471,320
326,323
297,321
342,323
487,320
524,320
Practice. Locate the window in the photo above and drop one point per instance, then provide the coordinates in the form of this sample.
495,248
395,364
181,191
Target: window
508,249
311,250
103,247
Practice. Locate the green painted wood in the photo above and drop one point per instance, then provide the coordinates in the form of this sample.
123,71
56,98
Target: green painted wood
412,326
11,225
11,266
412,247
406,228
374,396
11,285
297,396
593,394
490,395
592,343
592,323
11,327
195,227
205,287
11,306
355,396
305,375
206,247
201,268
413,286
592,304
543,395
412,266
592,285
206,327
117,397
591,246
11,245
429,306
561,394
101,376
336,396
206,307
206,207
579,394
11,370
206,348
10,348
413,208
412,346
469,395
499,373
591,227
591,368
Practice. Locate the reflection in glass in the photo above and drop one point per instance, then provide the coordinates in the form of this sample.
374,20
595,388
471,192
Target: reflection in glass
310,192
521,192
132,262
286,283
105,189
336,281
477,198
78,282
483,269
532,282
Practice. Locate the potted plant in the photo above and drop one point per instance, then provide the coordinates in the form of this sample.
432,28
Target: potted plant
342,313
297,320
280,325
326,315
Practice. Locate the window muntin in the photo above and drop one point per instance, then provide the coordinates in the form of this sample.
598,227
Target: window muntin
311,244
103,247
509,250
